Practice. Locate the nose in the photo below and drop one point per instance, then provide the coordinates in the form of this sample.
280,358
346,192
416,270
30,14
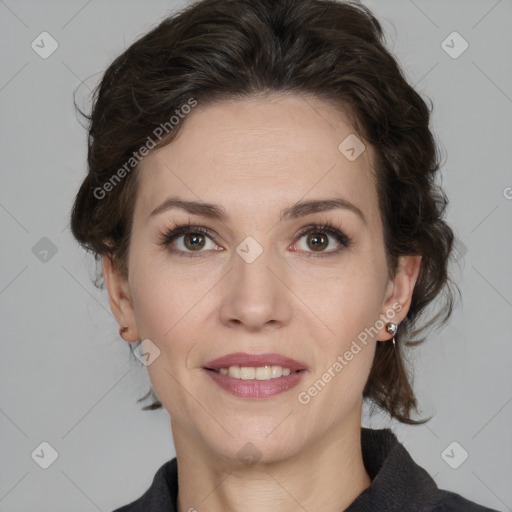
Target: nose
255,293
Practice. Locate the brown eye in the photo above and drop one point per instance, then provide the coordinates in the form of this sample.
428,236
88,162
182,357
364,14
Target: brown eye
194,241
318,237
318,241
187,239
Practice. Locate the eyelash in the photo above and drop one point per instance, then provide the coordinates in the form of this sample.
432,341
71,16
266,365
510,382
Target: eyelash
183,229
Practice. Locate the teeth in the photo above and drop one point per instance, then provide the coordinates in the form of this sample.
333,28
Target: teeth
247,372
234,371
266,372
263,372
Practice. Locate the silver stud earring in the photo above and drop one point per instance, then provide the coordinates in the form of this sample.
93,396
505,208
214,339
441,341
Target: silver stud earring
391,328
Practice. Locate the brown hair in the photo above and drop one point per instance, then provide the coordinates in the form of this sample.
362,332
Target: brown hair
231,49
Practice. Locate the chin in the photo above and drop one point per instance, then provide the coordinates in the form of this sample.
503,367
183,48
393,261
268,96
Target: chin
252,446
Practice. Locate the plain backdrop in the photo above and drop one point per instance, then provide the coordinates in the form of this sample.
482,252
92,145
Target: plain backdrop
68,380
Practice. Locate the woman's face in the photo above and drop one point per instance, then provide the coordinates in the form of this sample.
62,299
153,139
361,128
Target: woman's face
259,282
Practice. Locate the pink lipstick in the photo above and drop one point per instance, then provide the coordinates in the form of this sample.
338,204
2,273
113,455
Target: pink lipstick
255,375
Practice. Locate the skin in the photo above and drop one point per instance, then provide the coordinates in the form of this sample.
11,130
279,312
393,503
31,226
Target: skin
255,157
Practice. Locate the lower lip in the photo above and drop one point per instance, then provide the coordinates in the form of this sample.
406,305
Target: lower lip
254,388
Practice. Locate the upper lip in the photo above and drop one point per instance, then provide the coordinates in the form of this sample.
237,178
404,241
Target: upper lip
255,360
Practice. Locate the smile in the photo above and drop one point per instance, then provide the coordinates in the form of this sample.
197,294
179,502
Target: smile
266,372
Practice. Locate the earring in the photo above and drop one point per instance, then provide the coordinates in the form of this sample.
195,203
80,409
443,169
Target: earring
392,328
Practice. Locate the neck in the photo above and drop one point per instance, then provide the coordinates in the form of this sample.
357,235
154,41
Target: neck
328,475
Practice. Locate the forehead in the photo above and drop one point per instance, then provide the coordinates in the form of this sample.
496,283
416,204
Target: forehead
258,156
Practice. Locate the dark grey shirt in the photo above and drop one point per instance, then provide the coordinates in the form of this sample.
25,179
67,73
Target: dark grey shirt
398,483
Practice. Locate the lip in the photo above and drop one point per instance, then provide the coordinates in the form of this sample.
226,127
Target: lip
256,389
254,360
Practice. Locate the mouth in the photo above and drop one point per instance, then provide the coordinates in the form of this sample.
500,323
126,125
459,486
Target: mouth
255,375
255,366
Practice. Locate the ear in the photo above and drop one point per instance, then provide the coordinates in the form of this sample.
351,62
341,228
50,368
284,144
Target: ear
399,292
120,299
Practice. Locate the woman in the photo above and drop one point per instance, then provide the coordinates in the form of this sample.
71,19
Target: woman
261,193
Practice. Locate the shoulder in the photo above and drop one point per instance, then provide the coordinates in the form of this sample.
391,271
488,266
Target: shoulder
453,502
400,483
161,495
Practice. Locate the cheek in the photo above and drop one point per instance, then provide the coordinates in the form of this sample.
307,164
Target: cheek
171,308
348,299
350,307
164,294
349,304
168,313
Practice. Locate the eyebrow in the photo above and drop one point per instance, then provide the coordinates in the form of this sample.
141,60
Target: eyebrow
300,209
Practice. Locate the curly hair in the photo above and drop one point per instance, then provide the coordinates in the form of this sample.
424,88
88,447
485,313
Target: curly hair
215,50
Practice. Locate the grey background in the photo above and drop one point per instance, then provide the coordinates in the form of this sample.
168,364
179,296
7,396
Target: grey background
66,376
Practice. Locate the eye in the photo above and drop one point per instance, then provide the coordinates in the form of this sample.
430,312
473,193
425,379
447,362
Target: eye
318,238
185,240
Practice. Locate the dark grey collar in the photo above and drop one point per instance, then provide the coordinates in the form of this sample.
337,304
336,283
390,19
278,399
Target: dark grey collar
398,483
